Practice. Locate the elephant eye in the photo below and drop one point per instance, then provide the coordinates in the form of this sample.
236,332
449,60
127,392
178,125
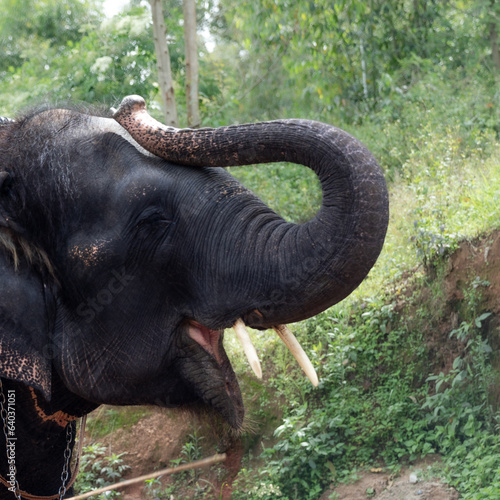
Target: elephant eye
158,218
153,219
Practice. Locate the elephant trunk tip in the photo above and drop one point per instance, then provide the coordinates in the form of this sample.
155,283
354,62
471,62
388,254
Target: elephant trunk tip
130,104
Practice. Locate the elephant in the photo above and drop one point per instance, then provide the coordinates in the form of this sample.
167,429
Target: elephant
126,251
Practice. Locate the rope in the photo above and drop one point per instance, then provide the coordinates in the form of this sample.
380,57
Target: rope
215,459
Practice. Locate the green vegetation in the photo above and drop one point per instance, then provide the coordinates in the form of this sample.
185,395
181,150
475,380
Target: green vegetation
107,419
198,487
378,403
98,471
418,82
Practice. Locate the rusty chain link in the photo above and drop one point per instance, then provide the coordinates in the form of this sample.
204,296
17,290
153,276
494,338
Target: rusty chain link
67,451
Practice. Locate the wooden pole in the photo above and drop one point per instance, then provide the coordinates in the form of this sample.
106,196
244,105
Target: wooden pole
215,459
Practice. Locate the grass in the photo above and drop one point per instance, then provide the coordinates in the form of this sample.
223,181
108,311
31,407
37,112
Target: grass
107,419
293,191
432,211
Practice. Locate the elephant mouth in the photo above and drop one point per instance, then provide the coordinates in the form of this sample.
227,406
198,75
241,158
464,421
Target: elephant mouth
207,369
207,338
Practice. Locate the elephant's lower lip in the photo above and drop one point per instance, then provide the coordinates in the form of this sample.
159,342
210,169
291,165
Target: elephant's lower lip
206,338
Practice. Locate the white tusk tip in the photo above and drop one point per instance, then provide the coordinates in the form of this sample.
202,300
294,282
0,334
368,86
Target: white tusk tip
248,348
257,369
298,353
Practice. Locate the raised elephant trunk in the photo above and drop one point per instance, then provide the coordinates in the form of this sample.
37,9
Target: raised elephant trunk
316,264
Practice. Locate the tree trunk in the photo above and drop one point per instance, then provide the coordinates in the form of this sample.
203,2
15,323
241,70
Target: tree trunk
495,52
163,62
193,110
363,68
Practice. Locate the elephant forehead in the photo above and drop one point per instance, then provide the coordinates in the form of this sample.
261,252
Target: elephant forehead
141,189
101,125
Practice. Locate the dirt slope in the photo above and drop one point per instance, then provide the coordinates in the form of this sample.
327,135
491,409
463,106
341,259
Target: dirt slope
381,485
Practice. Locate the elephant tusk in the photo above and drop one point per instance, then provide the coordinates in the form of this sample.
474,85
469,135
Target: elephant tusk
250,352
298,353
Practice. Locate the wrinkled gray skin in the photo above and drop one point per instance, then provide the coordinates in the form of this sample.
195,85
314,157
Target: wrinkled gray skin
121,268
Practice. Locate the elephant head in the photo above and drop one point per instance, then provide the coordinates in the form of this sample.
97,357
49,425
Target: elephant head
125,254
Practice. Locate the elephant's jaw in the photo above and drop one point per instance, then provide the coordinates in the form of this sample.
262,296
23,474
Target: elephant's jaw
208,371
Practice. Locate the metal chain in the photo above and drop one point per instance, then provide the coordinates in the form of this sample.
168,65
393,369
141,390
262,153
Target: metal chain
67,452
3,415
67,456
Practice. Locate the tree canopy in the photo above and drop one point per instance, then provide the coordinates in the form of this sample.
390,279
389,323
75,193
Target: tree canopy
271,58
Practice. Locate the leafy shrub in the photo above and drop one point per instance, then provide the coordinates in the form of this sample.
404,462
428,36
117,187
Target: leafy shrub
377,403
98,470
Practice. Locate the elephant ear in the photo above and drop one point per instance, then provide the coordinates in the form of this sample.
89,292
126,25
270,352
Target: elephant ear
4,178
25,354
5,219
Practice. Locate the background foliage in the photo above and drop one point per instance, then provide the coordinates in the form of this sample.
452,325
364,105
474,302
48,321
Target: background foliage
418,82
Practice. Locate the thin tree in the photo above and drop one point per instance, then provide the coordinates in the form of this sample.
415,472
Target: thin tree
495,51
165,79
192,98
